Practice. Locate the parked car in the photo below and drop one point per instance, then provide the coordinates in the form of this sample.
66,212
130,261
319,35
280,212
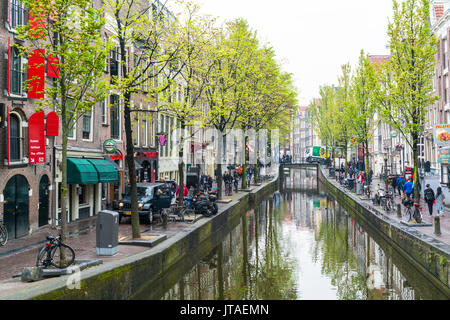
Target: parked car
152,199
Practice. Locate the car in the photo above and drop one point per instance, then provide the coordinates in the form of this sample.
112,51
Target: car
152,199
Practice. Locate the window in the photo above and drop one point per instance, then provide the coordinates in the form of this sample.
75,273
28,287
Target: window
14,138
114,64
445,54
145,127
17,73
136,132
87,122
83,197
115,117
18,14
445,89
103,107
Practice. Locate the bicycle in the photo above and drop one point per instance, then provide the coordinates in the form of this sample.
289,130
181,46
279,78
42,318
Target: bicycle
3,233
228,189
50,254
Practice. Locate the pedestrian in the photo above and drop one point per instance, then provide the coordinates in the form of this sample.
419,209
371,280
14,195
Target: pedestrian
370,176
399,185
429,198
440,201
408,188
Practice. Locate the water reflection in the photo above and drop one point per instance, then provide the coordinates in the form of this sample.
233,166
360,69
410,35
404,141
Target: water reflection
297,244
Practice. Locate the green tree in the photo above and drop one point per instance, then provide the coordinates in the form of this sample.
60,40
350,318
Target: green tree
225,85
69,31
364,84
406,79
144,33
344,100
195,36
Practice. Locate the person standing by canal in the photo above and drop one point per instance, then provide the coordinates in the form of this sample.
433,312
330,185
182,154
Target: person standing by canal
440,200
429,198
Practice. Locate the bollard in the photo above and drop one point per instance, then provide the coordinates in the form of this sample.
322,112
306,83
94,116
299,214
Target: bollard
437,226
399,210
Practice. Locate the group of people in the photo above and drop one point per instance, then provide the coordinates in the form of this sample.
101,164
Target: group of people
206,182
405,188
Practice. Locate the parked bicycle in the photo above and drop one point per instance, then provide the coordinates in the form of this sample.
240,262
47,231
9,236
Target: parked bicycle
228,189
50,254
3,233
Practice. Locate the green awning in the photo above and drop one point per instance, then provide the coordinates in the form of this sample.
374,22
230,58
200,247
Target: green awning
107,173
81,171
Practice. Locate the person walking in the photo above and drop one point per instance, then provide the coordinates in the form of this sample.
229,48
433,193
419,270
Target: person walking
399,185
408,188
440,201
429,198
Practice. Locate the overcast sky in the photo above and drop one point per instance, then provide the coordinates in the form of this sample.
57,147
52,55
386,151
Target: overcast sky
311,38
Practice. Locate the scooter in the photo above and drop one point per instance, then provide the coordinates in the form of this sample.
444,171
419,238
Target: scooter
380,194
202,205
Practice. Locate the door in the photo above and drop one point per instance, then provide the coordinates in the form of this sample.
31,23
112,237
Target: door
16,214
43,201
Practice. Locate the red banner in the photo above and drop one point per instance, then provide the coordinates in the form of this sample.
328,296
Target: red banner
36,138
52,124
36,74
52,67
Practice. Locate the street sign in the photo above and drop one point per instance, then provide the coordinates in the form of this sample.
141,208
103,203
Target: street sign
444,156
441,134
394,133
110,146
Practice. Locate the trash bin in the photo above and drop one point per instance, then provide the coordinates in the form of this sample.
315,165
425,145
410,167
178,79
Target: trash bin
350,182
358,188
107,232
331,172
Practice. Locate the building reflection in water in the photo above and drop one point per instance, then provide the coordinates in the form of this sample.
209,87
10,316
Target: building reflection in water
297,244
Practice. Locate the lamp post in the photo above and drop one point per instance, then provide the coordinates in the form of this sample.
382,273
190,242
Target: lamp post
385,157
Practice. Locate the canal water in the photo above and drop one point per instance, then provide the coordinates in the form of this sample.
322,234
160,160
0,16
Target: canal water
299,244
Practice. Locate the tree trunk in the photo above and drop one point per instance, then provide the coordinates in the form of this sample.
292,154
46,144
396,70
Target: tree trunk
345,159
63,169
244,167
135,227
416,182
181,164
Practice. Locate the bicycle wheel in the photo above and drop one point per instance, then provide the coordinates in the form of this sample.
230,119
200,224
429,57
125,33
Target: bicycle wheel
56,256
3,235
42,258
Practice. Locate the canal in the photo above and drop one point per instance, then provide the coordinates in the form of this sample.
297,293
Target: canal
298,243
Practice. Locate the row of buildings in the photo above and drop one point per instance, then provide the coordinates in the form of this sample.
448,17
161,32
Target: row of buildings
388,150
30,187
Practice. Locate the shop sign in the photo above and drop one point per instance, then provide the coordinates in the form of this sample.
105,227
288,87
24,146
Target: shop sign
394,134
441,134
444,156
110,146
116,157
162,140
408,170
36,138
146,154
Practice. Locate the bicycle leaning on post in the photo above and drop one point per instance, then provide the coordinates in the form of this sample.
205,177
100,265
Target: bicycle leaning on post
3,233
50,254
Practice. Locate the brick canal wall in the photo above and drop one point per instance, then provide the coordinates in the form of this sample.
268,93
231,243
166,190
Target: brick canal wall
426,254
136,276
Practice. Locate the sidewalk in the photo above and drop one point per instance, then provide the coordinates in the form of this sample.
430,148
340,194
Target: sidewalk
444,220
22,252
